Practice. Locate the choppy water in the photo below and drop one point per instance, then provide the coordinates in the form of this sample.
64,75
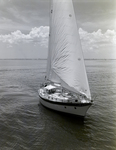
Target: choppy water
26,125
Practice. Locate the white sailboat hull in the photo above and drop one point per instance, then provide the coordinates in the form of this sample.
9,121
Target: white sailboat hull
70,108
66,74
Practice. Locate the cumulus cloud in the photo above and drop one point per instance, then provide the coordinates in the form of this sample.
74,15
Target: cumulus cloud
96,40
37,35
90,41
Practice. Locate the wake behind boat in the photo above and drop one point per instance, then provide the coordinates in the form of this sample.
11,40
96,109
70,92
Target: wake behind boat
66,87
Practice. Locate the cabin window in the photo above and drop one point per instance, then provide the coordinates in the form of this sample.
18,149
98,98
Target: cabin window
84,97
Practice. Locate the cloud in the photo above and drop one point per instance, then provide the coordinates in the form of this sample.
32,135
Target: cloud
37,35
97,40
14,15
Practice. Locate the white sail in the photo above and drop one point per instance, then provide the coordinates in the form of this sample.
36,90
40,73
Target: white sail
65,58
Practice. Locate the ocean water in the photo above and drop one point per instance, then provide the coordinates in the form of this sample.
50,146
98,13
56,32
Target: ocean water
26,125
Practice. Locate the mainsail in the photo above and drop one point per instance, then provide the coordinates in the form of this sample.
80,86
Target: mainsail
65,58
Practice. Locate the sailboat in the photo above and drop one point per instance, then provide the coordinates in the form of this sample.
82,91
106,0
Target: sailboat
66,87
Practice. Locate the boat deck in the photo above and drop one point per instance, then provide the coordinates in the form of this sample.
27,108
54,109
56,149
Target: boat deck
61,97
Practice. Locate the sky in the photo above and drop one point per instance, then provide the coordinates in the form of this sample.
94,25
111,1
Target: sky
24,28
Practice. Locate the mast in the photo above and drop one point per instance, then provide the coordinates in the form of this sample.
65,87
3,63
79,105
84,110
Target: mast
49,43
65,58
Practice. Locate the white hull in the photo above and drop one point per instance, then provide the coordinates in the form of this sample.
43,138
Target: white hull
66,87
79,110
